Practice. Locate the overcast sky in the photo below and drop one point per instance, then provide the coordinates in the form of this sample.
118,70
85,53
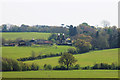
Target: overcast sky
57,12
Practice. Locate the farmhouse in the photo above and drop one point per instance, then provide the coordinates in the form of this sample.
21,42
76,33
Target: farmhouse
32,42
61,40
11,44
40,41
22,43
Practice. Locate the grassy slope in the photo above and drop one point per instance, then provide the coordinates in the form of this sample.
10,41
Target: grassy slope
20,52
25,35
63,74
106,56
90,58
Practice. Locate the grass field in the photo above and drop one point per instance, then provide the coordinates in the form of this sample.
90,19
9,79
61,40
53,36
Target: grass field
102,56
63,74
21,52
90,58
25,35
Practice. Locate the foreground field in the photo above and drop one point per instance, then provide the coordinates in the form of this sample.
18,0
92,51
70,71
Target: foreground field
87,59
25,35
63,74
21,52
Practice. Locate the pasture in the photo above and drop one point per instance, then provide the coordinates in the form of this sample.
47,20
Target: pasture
62,74
21,52
25,35
87,59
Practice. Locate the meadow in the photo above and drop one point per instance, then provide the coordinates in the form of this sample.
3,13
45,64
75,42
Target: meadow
87,59
21,52
24,35
63,74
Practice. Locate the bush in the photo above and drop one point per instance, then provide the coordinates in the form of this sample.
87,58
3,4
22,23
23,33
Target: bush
13,65
10,65
72,51
105,66
34,67
47,67
77,66
87,67
56,68
39,56
59,68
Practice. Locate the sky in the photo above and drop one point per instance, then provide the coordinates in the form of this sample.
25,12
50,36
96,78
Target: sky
57,12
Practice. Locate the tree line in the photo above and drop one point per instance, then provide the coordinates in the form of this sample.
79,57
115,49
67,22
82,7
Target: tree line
85,37
35,28
95,38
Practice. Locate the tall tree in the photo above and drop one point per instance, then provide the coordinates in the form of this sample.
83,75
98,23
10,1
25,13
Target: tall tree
67,60
4,28
72,30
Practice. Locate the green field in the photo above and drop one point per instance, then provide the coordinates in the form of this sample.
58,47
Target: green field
25,35
63,74
90,58
102,56
21,52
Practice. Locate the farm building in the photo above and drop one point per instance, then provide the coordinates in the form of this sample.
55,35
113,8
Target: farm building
11,44
61,40
40,41
22,43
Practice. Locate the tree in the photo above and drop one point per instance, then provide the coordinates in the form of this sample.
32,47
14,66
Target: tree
3,41
62,25
67,60
53,36
72,50
113,37
4,28
72,30
82,45
102,42
83,37
119,37
86,24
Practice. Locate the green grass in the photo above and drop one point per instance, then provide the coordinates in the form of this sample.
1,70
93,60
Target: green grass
87,59
24,35
21,52
102,56
63,74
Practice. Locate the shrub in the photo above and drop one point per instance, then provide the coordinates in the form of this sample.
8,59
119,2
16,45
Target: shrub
77,66
87,67
13,65
56,68
72,51
47,67
105,66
